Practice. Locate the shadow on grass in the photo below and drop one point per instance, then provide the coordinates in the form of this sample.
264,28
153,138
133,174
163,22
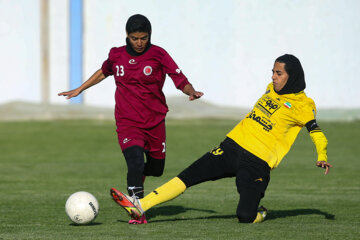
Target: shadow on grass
85,225
171,211
272,214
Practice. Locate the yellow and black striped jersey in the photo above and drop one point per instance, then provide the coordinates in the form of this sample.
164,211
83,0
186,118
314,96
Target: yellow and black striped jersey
272,126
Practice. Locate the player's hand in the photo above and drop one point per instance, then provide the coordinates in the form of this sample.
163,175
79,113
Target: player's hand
70,94
325,165
195,95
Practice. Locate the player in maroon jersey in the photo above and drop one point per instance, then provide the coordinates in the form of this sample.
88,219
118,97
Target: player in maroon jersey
139,69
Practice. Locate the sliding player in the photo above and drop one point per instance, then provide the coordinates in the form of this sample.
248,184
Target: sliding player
254,147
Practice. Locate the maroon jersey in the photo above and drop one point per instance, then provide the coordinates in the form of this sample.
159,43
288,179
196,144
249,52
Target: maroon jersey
140,101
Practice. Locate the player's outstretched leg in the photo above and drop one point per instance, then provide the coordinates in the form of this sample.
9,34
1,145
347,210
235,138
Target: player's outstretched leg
130,204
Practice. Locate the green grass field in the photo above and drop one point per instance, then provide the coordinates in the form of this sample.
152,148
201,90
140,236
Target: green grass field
42,163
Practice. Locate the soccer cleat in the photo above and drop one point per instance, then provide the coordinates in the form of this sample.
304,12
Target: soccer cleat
130,204
263,211
142,220
261,214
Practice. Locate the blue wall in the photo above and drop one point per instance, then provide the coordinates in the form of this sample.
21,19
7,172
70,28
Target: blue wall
76,47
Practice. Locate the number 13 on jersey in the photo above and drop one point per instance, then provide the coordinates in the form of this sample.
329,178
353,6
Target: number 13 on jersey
119,70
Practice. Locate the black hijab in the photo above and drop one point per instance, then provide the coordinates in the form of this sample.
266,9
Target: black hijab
137,23
296,81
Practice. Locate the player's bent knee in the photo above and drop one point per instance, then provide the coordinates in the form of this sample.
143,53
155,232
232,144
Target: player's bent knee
246,217
158,168
154,167
157,172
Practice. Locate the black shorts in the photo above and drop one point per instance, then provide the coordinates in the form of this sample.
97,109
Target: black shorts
229,160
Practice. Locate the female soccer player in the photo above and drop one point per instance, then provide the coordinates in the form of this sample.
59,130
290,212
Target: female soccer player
255,146
139,69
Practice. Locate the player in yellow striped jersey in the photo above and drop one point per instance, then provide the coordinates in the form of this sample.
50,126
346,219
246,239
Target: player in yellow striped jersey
254,147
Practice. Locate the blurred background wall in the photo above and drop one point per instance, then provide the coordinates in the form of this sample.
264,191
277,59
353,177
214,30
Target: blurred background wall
226,48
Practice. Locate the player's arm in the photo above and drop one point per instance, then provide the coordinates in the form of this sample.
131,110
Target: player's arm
179,79
190,91
320,141
97,77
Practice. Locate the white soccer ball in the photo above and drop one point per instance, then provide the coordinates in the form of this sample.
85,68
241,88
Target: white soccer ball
82,207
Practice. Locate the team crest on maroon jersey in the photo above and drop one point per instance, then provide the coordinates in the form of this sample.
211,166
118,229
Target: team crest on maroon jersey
147,70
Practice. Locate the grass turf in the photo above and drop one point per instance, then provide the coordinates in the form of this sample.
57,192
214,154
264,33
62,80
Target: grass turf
42,163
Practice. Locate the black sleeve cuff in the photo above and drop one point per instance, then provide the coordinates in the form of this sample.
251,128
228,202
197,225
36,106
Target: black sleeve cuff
312,125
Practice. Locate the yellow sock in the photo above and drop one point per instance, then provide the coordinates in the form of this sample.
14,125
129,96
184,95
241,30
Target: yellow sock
166,192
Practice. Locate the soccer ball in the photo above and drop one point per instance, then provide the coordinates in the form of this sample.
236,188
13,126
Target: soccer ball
82,207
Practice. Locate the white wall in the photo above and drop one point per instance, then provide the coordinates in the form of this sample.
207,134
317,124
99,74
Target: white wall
226,48
19,50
